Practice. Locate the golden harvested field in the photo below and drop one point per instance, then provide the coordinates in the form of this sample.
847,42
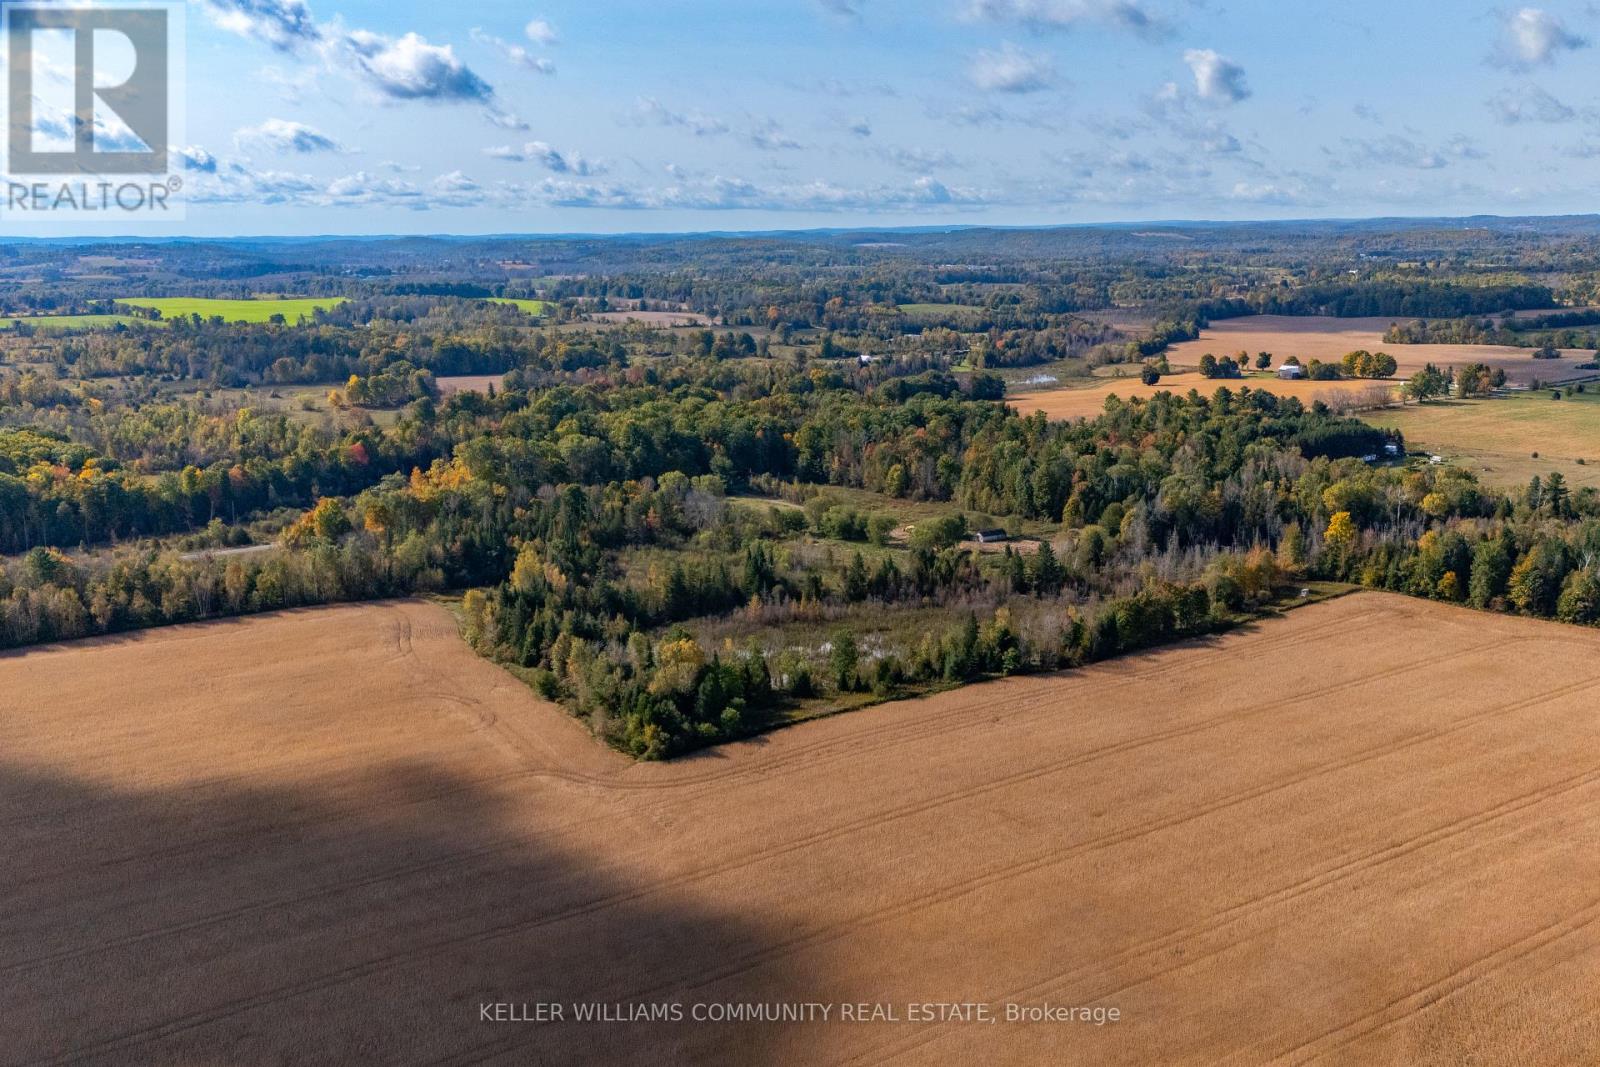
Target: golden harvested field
1328,339
1088,401
1362,833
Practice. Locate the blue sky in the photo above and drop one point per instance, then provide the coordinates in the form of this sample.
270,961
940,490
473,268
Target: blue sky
354,116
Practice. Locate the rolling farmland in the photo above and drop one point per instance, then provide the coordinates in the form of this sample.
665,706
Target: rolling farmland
1085,402
1356,834
1508,440
1328,339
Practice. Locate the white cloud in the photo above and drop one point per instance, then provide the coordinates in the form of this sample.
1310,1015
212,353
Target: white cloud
1529,103
284,24
648,111
196,158
769,137
552,160
541,32
407,67
57,128
1010,70
1397,151
1042,15
506,120
1532,37
514,52
410,68
365,190
918,160
283,135
1216,78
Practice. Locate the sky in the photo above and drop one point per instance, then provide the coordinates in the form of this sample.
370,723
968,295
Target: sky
364,116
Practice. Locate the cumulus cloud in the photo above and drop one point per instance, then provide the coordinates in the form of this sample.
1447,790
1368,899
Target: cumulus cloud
1528,103
284,135
364,189
541,32
514,52
196,159
1216,78
286,25
549,158
1531,37
409,68
1010,69
1043,15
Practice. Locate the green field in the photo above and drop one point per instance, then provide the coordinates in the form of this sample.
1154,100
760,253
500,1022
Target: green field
537,308
291,308
67,323
1497,438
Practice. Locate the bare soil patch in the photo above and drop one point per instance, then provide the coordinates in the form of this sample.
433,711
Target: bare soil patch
1362,833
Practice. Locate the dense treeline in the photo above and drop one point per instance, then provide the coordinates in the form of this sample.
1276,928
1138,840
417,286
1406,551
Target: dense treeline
1510,332
600,528
1411,299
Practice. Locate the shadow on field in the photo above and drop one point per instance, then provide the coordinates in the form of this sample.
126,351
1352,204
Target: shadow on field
358,917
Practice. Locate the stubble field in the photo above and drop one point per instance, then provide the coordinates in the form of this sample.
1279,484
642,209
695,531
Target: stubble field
1328,339
1362,833
1088,401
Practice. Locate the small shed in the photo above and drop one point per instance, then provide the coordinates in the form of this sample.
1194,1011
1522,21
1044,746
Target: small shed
991,537
1291,371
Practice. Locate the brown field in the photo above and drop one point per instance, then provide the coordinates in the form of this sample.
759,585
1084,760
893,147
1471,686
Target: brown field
1088,401
653,318
468,383
1362,833
1328,339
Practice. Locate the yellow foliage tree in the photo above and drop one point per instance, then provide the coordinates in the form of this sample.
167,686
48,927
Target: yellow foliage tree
1341,532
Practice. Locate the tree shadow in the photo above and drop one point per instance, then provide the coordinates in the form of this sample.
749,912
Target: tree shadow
364,917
